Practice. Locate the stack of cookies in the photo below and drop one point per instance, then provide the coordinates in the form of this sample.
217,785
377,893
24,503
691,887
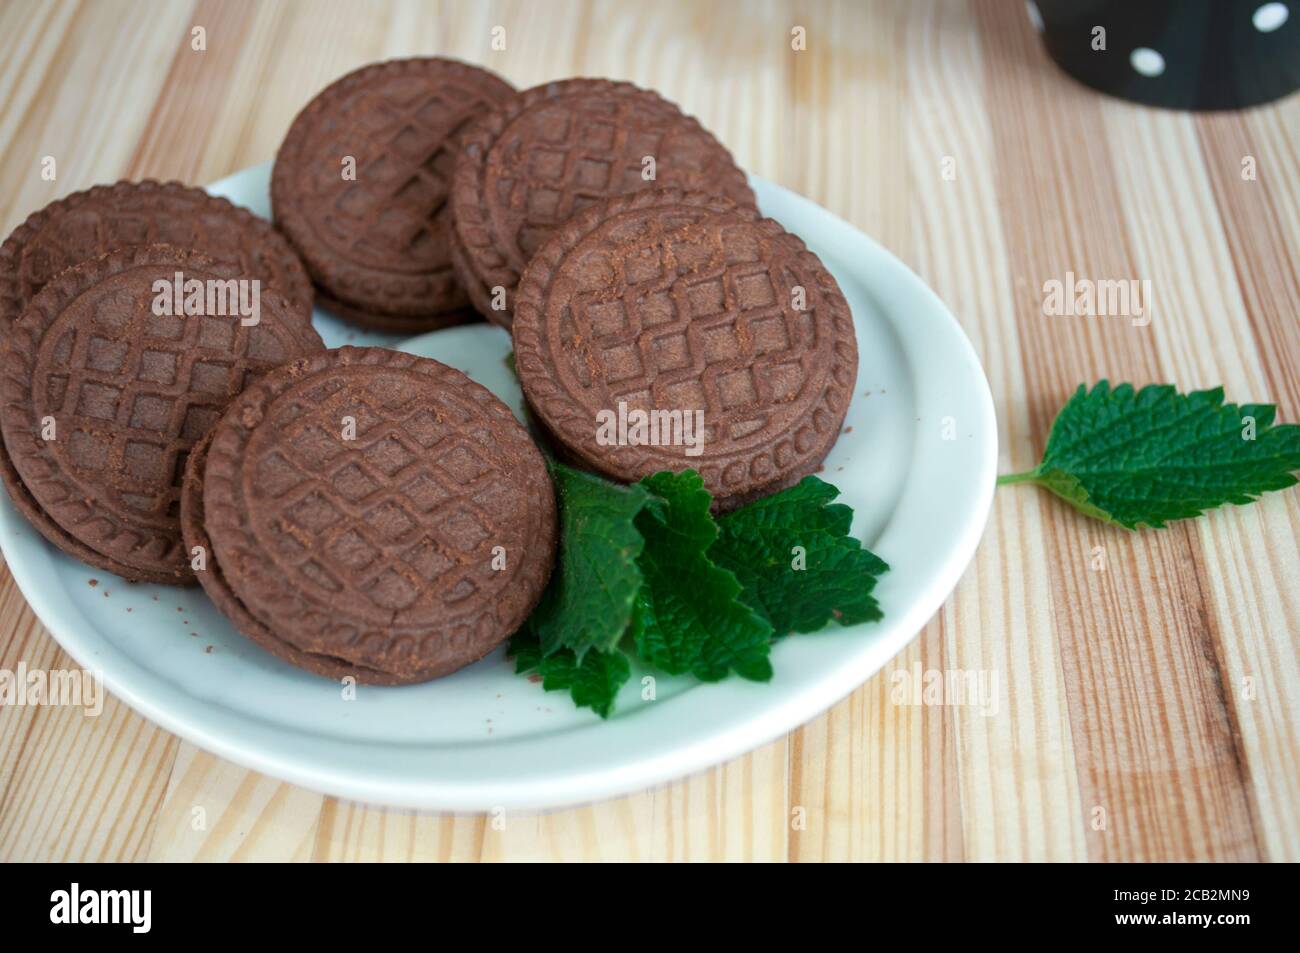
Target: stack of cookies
361,512
372,514
615,238
107,382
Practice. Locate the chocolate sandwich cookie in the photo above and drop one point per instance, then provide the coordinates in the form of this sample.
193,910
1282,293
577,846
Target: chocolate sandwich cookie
360,188
371,513
669,330
554,150
102,396
218,590
88,224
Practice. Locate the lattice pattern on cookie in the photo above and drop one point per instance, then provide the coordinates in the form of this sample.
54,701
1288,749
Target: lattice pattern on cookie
718,340
380,240
403,516
134,390
432,449
687,317
127,392
555,150
389,216
588,151
679,301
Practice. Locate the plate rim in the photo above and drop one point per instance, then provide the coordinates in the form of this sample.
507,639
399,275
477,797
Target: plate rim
242,739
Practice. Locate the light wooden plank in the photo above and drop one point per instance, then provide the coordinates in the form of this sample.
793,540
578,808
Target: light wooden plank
215,810
76,783
92,104
1149,726
1021,749
1251,562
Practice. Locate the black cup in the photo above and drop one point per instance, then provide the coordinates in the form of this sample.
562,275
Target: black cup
1189,54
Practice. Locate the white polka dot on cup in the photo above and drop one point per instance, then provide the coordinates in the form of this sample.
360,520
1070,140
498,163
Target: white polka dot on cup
1270,16
1147,62
1035,15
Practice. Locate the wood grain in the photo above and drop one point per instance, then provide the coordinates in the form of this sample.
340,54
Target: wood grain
1148,702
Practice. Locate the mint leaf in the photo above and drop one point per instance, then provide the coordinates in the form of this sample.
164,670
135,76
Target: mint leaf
592,681
832,578
691,594
1154,455
688,616
588,602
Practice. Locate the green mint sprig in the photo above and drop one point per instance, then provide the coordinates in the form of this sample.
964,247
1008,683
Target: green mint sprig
800,527
593,680
708,594
646,572
587,604
689,616
1148,456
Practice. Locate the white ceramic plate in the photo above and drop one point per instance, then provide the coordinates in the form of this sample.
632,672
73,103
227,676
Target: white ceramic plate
485,737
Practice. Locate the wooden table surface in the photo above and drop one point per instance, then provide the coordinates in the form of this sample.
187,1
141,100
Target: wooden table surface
1150,710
